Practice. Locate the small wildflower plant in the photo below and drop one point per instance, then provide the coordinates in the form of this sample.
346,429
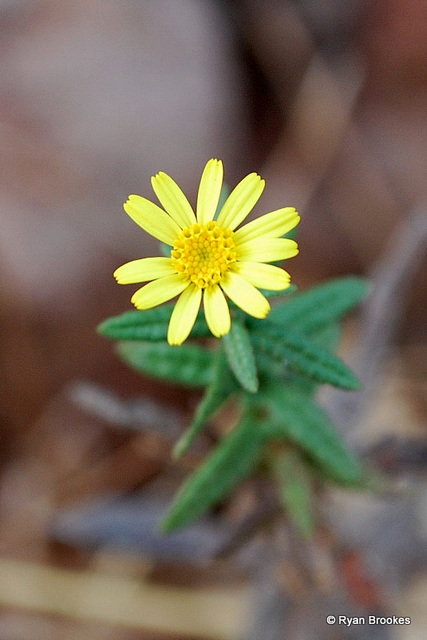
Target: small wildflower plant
270,361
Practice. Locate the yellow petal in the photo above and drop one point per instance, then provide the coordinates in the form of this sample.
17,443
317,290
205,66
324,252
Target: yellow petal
159,291
241,201
173,200
143,270
217,312
244,294
152,219
266,250
209,191
184,314
265,276
274,224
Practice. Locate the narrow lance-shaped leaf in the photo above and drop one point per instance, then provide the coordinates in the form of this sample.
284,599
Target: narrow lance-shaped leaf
272,367
295,490
150,325
309,310
217,393
327,336
291,416
241,357
231,461
306,358
268,367
188,365
268,293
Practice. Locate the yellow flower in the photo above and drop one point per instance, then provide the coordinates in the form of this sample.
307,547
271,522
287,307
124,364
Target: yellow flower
209,258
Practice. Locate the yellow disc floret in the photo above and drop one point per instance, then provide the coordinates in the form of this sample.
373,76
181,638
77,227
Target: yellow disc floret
204,253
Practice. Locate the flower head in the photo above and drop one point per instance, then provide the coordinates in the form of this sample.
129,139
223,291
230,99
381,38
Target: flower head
209,258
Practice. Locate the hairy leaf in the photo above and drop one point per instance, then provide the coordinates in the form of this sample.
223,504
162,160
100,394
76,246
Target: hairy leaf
217,393
327,336
241,357
306,358
268,293
268,367
311,309
291,416
295,490
271,367
150,325
188,364
231,461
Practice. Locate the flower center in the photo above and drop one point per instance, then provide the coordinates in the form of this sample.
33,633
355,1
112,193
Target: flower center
204,253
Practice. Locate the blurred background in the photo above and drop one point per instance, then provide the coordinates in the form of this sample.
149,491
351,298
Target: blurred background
328,101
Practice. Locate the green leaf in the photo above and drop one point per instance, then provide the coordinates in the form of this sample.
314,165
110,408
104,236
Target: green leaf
327,336
150,325
268,293
241,357
231,461
217,393
271,367
309,310
295,490
268,368
188,365
306,358
289,415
